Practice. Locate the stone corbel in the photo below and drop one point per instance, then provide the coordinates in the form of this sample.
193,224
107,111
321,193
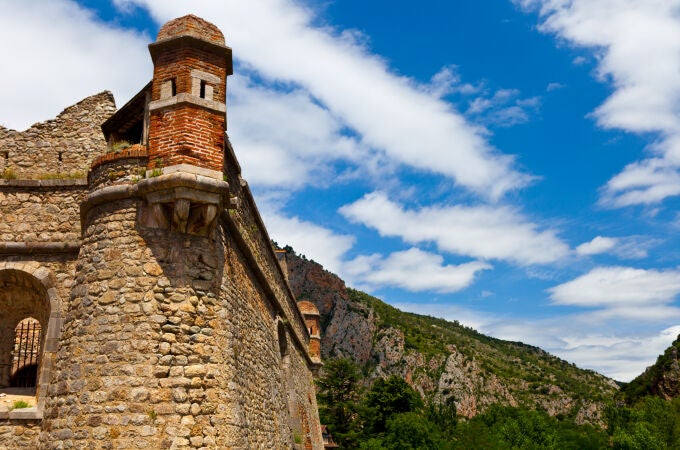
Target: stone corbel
180,215
186,203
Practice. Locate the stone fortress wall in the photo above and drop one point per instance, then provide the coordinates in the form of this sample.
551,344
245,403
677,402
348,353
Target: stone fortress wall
167,319
64,146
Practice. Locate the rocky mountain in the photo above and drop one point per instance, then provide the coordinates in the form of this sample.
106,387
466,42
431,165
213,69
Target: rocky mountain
444,361
661,379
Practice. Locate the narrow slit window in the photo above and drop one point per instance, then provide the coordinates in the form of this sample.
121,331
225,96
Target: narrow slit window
202,94
6,155
173,85
60,155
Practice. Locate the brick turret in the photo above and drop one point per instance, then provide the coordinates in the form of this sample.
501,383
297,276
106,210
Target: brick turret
312,320
188,96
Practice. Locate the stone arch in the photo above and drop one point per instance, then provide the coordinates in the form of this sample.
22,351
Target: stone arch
28,290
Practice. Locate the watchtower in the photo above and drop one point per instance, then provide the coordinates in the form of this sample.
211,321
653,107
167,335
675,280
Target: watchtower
188,96
181,330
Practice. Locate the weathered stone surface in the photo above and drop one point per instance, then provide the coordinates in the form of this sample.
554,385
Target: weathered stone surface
158,338
64,146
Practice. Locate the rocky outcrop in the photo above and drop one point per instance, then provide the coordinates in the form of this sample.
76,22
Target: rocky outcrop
661,379
474,372
347,327
469,387
667,383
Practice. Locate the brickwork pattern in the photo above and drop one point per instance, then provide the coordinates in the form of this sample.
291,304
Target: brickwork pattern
186,135
166,68
191,25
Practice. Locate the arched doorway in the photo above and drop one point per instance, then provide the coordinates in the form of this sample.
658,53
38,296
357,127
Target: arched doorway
26,315
26,354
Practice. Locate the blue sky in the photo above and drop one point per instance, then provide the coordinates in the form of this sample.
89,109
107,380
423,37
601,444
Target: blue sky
511,164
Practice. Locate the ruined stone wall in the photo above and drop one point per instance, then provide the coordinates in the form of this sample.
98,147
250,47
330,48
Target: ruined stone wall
40,210
62,146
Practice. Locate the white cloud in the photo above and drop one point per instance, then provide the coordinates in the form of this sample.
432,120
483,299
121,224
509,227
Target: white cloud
624,291
598,245
285,139
413,270
554,86
625,247
321,244
644,182
56,53
504,108
637,44
393,114
614,353
476,231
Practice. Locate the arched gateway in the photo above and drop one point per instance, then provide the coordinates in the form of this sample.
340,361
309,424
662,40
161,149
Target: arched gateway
29,327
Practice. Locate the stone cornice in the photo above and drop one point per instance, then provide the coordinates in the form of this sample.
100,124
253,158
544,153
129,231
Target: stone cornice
32,248
50,184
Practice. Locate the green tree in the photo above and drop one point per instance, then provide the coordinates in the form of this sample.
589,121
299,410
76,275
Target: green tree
338,397
389,397
443,414
529,430
412,431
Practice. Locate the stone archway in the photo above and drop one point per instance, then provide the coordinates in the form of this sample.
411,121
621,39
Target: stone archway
27,291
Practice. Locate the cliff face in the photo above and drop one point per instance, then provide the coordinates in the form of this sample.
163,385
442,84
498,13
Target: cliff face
661,379
440,359
347,327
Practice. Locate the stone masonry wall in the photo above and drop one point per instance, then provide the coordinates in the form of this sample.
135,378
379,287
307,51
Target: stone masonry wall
124,167
246,219
16,434
65,145
40,210
170,342
301,394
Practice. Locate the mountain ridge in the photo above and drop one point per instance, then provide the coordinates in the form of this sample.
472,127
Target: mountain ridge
444,361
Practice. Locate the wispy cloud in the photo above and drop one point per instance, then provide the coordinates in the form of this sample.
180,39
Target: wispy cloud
69,59
503,108
393,115
413,270
625,247
554,86
637,44
622,292
485,232
598,245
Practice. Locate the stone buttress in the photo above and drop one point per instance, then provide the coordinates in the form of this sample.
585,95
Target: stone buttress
181,330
